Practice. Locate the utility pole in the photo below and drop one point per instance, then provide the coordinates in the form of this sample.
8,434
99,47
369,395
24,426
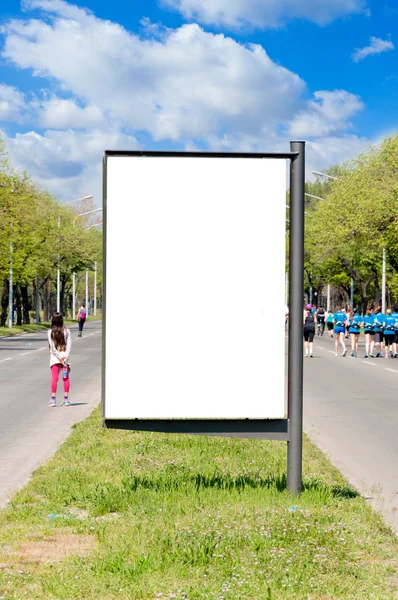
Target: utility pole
87,290
73,294
95,288
58,275
352,293
383,284
10,291
10,298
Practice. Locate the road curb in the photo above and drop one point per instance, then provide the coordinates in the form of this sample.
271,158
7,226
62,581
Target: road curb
15,335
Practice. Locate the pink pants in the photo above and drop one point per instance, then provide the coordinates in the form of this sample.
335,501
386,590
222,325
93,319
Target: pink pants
55,371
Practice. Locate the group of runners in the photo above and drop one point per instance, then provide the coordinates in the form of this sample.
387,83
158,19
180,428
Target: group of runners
380,330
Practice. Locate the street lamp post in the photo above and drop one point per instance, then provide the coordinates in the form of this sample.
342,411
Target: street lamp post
89,212
95,288
10,290
58,270
87,289
10,298
383,284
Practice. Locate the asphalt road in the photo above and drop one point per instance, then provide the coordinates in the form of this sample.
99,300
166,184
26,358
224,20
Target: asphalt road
351,413
31,431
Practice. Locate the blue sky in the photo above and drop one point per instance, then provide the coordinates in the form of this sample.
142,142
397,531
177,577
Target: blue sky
79,77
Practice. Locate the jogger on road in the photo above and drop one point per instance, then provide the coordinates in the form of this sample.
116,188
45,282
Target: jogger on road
309,322
355,322
81,317
59,342
340,320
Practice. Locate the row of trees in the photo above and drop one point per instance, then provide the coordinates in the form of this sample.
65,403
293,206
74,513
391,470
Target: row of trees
347,231
38,233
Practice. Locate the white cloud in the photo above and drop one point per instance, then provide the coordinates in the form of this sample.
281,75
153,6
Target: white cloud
325,115
12,104
189,83
59,113
376,46
68,163
265,13
186,85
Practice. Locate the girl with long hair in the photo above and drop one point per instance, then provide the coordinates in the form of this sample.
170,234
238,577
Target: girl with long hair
59,342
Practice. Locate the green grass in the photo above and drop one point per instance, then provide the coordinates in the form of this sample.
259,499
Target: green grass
6,332
189,517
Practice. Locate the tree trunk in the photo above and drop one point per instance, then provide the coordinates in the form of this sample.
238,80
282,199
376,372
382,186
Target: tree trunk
4,303
25,304
62,297
45,302
19,309
364,298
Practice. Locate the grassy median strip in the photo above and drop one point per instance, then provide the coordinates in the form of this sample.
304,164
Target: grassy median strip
147,516
20,329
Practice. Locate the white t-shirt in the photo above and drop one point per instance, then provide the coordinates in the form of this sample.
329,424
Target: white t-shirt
56,357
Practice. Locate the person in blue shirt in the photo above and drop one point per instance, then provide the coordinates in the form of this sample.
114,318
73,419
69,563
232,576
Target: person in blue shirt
339,320
380,319
354,329
394,314
369,328
389,333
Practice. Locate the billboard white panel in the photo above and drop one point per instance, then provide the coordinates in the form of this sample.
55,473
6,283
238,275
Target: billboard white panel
195,262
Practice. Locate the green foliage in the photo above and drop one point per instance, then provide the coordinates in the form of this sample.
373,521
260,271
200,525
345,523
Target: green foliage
347,231
41,230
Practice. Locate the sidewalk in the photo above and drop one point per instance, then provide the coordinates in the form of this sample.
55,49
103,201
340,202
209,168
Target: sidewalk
30,431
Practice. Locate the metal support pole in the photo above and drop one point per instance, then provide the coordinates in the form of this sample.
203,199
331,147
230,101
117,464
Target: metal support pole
383,284
328,299
352,293
95,288
296,294
58,276
286,288
10,297
37,300
87,290
73,294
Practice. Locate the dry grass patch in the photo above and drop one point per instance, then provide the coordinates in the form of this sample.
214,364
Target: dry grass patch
48,549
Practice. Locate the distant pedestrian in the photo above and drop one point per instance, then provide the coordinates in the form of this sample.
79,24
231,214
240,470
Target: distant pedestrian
355,321
81,317
389,333
379,322
339,320
395,315
369,328
59,342
329,323
309,322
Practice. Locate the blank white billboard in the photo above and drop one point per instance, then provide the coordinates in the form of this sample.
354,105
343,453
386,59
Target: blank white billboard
195,264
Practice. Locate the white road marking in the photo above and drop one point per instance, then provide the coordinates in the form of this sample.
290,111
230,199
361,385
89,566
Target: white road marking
25,353
90,334
43,348
321,347
331,352
369,363
392,370
4,359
